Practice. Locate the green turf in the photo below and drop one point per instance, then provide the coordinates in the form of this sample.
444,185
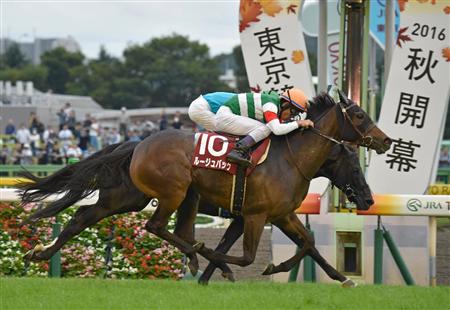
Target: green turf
34,293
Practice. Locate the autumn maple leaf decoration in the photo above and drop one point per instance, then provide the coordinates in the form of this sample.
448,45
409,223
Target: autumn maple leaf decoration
256,89
297,56
446,53
402,37
401,4
447,10
249,11
271,7
292,9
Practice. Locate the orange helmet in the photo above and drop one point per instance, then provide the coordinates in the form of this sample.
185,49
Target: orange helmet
296,97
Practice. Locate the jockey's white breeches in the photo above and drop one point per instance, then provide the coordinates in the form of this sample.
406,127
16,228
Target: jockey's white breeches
200,112
229,122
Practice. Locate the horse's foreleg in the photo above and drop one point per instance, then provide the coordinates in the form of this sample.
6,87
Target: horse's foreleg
253,228
233,232
330,270
296,231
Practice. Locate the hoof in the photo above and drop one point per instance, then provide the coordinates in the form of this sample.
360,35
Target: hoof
349,283
268,270
31,254
39,248
229,276
203,281
193,267
198,246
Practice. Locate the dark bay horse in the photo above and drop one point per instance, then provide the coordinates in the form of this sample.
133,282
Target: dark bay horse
161,168
342,168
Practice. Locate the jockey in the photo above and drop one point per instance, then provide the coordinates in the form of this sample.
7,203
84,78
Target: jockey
256,115
203,109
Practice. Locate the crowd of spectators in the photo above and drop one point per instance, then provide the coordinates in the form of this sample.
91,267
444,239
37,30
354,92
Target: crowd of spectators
74,139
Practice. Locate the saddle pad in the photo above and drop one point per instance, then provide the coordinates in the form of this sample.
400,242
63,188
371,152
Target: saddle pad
211,150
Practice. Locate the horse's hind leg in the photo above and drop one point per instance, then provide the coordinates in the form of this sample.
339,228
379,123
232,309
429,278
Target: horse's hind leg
158,223
185,223
84,217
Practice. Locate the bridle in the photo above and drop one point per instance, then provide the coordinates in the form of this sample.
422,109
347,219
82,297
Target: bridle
366,140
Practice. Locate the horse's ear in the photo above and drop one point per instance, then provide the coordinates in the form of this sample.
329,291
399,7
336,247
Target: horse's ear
342,97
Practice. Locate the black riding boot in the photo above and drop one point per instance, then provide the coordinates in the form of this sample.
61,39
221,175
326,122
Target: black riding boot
240,154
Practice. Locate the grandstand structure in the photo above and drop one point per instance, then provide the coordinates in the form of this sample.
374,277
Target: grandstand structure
18,100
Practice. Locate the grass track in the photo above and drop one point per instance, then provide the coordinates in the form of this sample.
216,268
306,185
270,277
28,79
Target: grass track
41,293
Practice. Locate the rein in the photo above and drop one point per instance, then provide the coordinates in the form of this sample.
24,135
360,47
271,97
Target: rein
366,141
316,131
292,159
319,133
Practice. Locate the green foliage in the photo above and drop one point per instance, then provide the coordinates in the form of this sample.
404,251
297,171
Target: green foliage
135,252
37,74
241,73
169,71
13,57
59,63
165,71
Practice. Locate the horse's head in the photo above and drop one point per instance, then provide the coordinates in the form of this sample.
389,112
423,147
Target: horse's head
343,169
360,128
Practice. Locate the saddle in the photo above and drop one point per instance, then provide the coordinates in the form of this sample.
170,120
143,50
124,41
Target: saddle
210,152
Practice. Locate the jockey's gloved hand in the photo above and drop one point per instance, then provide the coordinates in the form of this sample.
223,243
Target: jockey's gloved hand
305,123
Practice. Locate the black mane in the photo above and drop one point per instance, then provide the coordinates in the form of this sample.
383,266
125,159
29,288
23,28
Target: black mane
321,103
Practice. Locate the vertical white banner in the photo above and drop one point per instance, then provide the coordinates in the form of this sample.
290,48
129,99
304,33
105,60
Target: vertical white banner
273,46
415,100
275,52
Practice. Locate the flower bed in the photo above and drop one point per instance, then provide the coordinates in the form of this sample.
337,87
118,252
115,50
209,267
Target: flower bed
135,252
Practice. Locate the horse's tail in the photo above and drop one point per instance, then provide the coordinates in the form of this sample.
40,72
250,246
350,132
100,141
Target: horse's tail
77,181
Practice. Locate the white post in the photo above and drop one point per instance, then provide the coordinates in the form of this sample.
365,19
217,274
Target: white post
322,47
390,36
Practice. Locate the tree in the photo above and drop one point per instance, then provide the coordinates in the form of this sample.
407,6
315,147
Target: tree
240,72
13,57
59,62
35,74
100,79
169,71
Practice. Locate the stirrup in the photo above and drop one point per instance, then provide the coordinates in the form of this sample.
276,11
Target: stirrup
237,157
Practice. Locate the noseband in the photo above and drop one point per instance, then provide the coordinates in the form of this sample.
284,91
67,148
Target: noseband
349,192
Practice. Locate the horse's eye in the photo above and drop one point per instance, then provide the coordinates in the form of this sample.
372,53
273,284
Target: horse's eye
360,115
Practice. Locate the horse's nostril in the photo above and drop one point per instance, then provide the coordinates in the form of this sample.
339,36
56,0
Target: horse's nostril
388,141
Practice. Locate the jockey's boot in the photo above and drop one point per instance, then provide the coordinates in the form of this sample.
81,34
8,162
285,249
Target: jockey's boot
240,154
